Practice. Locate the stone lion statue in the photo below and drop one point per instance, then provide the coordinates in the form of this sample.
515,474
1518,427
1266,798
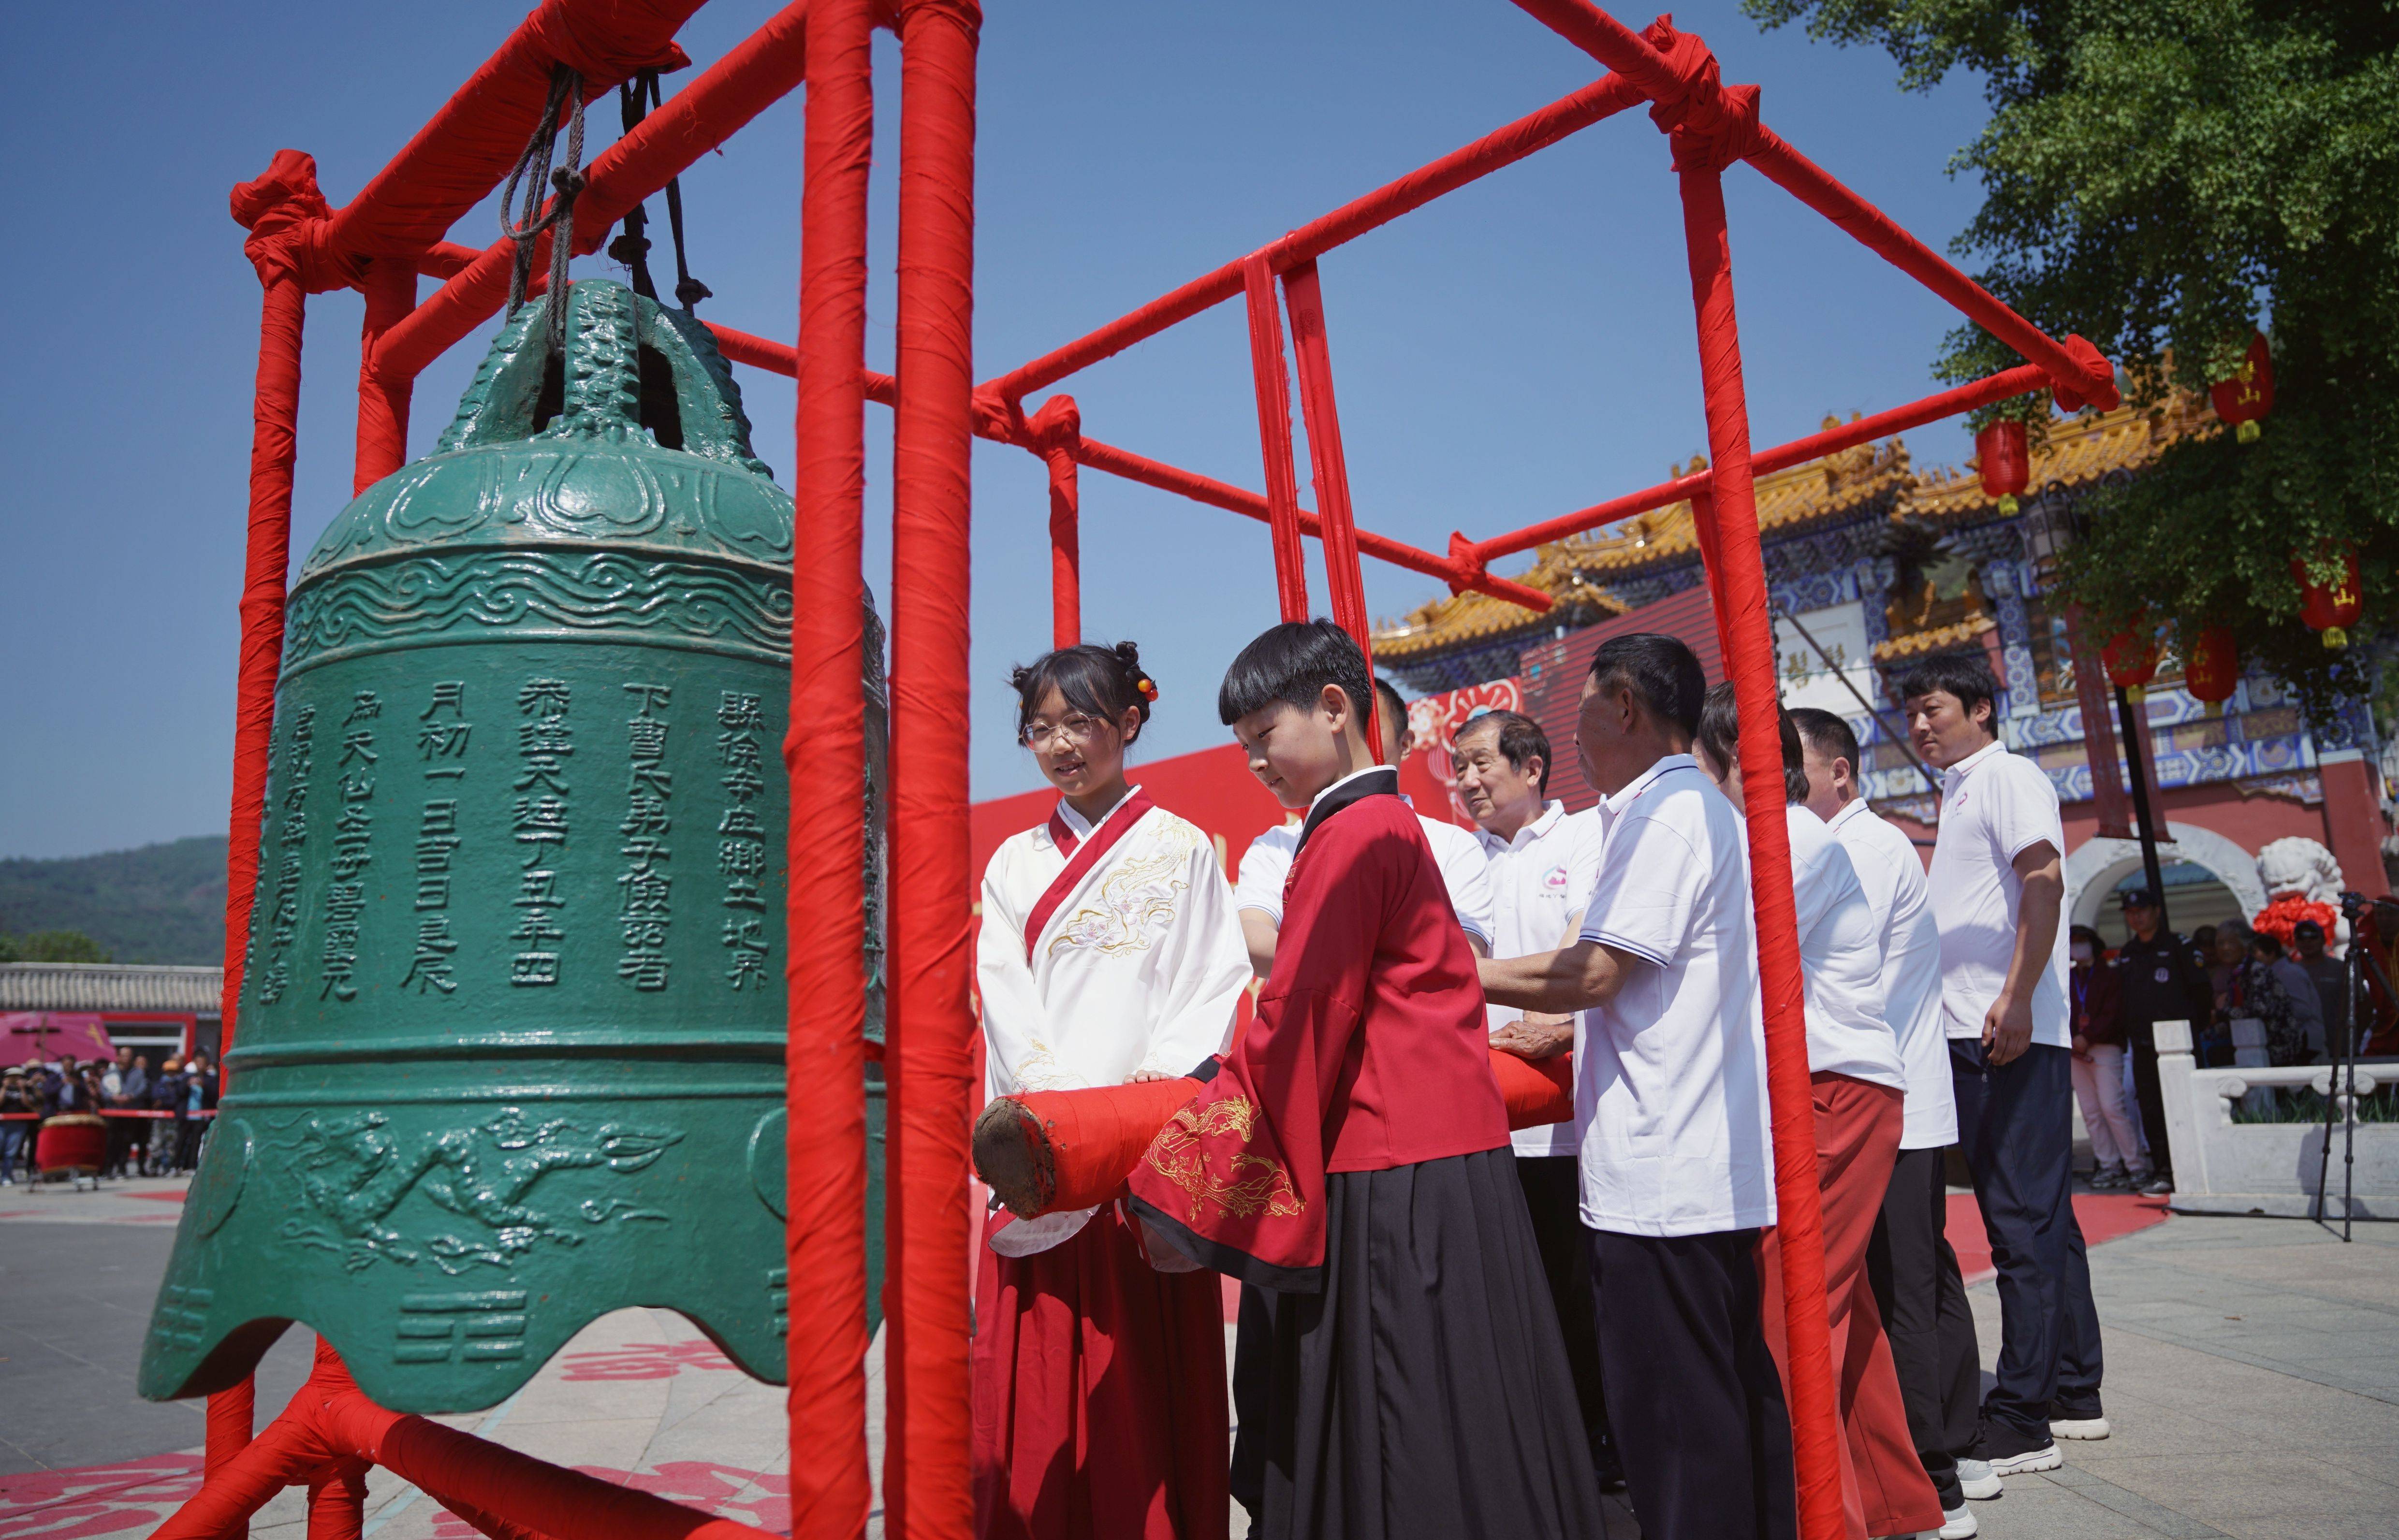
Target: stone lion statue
2297,871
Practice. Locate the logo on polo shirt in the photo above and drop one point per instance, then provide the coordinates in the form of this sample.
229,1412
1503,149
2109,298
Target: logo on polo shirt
1555,879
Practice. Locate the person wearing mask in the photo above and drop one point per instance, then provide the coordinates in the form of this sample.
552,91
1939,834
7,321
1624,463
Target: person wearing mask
1918,1287
2155,982
2288,1036
1998,885
2330,977
2094,991
1542,863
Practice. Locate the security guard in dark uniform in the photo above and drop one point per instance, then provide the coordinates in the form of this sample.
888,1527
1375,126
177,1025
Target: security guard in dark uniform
2158,982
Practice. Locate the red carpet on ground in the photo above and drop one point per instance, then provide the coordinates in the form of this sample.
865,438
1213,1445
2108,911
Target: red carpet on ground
2103,1216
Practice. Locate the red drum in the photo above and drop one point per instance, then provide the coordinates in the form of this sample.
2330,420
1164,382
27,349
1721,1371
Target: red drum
72,1142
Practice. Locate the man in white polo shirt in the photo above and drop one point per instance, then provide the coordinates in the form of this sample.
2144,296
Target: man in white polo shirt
1675,1151
1915,1274
1257,894
1858,1088
1997,885
1543,861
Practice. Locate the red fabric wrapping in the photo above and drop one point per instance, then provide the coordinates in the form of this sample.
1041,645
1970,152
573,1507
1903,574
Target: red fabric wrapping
931,1025
763,68
1272,384
1739,587
744,348
1099,1394
1692,102
382,402
2077,371
1342,577
1538,1091
1055,428
337,1501
269,208
467,148
1502,146
1090,1140
826,934
1899,419
1884,1489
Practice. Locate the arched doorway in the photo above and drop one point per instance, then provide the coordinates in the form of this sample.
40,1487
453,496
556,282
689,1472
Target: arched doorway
2209,880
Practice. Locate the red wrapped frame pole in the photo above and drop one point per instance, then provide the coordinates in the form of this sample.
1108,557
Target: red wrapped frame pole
1343,579
391,289
824,970
274,447
1272,380
1739,580
1065,549
929,1030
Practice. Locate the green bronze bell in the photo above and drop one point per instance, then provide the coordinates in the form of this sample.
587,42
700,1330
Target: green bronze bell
511,1047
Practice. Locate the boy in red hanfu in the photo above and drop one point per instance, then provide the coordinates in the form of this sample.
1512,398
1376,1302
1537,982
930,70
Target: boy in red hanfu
1350,1155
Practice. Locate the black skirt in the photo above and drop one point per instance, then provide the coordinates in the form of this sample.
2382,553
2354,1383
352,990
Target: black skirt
1424,1394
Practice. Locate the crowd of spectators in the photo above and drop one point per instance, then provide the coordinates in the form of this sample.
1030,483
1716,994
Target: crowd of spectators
177,1094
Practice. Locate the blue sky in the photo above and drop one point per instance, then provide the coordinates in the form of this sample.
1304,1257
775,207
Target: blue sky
1517,350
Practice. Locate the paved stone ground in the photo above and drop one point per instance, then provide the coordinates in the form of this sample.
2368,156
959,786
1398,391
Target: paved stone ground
2253,1380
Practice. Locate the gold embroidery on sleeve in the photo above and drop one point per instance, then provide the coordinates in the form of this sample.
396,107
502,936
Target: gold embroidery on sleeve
1135,905
1257,1183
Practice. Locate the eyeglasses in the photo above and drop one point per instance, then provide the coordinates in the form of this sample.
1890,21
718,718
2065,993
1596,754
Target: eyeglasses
1075,729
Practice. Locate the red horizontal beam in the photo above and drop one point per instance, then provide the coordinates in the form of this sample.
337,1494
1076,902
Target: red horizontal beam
1798,452
2081,372
746,348
1501,147
763,68
468,146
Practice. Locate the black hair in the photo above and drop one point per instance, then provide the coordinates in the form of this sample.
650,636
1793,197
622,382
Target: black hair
1395,711
1103,681
1660,669
1829,736
1293,663
1520,738
1965,675
2085,933
1719,735
2267,942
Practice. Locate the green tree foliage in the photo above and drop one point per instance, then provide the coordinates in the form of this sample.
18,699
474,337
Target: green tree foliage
2164,177
161,903
51,946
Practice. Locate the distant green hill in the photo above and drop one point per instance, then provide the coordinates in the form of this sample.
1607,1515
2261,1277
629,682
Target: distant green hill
162,903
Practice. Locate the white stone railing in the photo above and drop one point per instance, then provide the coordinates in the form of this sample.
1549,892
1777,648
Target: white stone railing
2221,1167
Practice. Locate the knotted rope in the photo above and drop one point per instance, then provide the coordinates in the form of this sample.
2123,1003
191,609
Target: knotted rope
526,228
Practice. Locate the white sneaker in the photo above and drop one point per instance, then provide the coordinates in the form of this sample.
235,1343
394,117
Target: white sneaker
1975,1477
1959,1522
2078,1427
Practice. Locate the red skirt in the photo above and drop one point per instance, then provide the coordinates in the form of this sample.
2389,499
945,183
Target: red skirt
1099,1395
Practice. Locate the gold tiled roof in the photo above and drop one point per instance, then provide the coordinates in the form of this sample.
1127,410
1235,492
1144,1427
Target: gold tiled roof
1578,570
1939,638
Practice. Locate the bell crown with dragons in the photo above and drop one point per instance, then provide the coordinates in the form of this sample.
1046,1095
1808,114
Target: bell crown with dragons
512,1035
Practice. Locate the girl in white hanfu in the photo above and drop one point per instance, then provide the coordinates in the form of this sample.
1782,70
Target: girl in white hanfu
1109,953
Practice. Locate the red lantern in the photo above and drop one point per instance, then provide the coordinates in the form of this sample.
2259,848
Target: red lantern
2006,461
2331,610
2210,667
2249,394
2131,661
